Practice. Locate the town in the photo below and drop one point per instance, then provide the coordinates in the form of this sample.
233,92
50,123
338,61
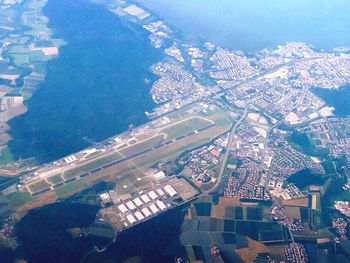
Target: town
225,121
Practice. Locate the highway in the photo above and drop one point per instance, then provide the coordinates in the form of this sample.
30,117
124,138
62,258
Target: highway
227,153
209,95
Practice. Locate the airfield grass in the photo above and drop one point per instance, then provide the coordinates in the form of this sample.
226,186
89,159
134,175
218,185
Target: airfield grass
71,188
171,151
136,148
184,127
91,165
113,157
18,198
38,186
56,179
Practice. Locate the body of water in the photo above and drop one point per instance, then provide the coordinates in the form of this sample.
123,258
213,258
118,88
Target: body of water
337,98
252,25
305,178
97,86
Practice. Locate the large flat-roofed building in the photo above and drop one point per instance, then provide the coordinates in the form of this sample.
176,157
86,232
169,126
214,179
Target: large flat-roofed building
146,212
134,10
70,159
131,219
122,208
154,209
161,205
159,176
138,202
130,205
145,199
139,216
170,190
160,192
153,195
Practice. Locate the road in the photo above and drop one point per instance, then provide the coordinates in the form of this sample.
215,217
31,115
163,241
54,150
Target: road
218,97
227,153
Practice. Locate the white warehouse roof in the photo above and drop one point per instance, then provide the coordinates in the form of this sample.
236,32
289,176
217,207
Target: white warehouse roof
122,208
153,195
145,199
138,201
154,209
161,205
160,192
139,216
130,205
160,175
131,219
146,212
170,190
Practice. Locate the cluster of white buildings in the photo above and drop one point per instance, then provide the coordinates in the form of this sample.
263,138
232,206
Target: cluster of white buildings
140,207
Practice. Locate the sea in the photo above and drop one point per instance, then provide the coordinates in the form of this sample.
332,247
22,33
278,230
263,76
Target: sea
252,25
99,84
337,98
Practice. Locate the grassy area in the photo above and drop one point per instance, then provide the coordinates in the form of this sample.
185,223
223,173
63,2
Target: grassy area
37,55
91,166
136,148
5,156
18,198
223,122
56,179
38,186
304,144
19,59
185,127
17,49
71,188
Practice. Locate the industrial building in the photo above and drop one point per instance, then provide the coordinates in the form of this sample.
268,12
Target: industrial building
146,204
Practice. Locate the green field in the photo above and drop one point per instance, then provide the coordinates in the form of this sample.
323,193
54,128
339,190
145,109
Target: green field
91,166
185,127
37,56
17,49
56,179
38,186
136,148
18,198
71,188
5,156
19,59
